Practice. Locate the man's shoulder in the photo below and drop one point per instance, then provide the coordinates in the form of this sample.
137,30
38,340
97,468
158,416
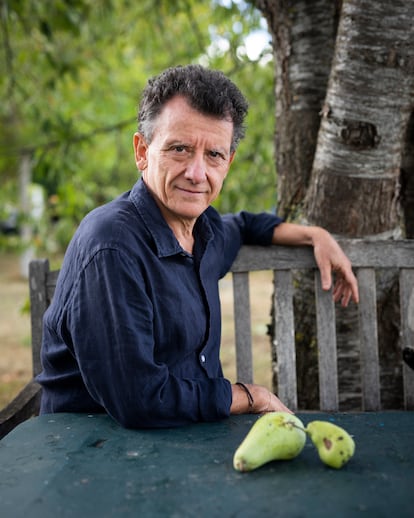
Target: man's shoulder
110,219
115,226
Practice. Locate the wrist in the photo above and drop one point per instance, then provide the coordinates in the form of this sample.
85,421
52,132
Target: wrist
315,234
249,395
295,234
243,399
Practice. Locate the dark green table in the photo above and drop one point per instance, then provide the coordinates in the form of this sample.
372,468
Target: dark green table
87,466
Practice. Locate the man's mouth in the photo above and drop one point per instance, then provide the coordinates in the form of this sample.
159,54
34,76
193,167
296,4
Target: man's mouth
190,191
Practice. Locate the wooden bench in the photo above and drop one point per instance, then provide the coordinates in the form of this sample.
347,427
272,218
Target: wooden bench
366,257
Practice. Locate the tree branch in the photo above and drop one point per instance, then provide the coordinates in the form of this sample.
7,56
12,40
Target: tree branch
75,139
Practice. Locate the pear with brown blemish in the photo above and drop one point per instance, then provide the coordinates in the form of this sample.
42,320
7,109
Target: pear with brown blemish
334,444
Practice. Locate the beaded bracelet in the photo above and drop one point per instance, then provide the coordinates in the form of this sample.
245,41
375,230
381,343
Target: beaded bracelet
248,393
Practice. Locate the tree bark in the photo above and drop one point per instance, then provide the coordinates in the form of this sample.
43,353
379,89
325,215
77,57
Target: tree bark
364,120
26,231
303,35
407,180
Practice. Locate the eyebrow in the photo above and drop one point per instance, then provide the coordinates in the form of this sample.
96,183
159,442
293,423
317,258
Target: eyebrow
185,143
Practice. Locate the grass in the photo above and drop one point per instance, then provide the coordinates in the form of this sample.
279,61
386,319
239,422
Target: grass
261,289
15,351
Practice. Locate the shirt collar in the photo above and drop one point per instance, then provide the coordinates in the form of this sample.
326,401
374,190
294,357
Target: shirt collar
164,238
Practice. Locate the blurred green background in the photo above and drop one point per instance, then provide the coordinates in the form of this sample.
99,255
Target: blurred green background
71,75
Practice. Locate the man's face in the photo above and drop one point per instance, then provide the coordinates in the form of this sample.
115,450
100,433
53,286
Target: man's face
187,160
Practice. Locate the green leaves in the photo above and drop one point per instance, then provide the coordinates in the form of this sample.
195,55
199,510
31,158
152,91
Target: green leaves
73,71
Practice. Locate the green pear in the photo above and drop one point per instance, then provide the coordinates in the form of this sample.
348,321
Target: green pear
274,436
335,446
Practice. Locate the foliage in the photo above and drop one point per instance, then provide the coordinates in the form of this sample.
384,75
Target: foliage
72,73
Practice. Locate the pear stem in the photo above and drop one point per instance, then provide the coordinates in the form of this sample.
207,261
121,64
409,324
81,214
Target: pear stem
298,427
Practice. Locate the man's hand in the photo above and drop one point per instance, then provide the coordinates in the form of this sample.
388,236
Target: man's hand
261,401
328,255
330,258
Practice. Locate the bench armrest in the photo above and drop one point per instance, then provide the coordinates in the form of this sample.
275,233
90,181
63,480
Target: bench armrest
26,404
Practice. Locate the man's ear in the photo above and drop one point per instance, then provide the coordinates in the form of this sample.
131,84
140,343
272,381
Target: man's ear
140,151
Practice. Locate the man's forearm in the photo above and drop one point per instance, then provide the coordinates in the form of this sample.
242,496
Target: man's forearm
294,234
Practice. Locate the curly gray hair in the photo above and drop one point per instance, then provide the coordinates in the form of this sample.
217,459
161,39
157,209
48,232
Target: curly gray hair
208,91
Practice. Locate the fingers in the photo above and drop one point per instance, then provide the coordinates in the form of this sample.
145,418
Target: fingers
342,295
345,289
278,406
326,276
266,401
346,285
353,285
330,258
273,404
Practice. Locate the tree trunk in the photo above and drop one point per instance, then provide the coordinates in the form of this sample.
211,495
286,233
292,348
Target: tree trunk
364,120
303,35
25,178
356,171
357,162
407,179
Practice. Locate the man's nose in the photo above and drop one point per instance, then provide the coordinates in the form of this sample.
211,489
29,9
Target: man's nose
196,169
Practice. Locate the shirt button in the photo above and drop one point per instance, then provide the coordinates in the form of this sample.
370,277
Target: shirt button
203,358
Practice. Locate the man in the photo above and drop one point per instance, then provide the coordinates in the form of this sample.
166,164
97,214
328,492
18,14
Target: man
134,326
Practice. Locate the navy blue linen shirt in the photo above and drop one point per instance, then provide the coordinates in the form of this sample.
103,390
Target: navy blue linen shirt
135,323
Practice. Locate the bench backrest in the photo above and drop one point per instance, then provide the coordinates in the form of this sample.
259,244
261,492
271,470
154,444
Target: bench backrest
366,257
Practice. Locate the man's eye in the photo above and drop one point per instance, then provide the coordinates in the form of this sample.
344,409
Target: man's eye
180,149
216,154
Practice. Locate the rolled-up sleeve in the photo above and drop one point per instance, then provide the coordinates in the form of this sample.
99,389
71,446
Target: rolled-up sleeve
255,229
245,228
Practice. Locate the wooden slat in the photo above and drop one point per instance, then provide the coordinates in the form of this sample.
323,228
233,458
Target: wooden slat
242,322
39,301
251,258
327,353
285,338
376,254
380,254
407,331
26,404
368,332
